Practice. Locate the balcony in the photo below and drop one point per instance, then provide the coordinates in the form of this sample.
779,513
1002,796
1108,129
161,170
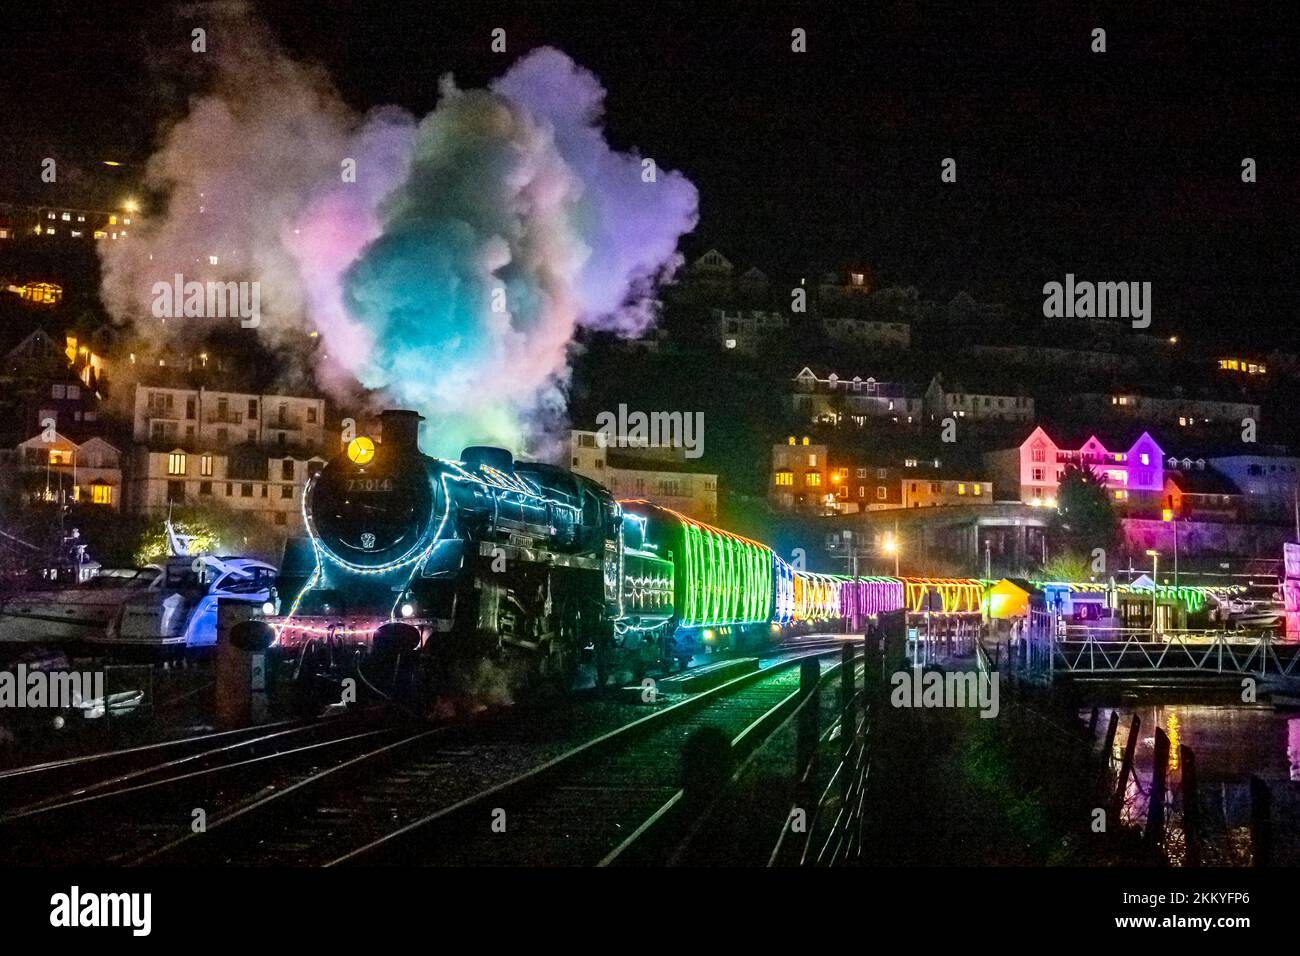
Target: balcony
224,418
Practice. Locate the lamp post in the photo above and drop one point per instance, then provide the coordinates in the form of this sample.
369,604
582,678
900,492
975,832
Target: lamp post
1171,517
890,546
1155,587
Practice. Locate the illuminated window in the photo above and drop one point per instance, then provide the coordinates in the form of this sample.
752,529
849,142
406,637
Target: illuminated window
791,440
1145,458
961,488
731,343
1121,494
812,461
881,493
785,478
176,463
976,489
205,466
805,439
813,479
101,494
60,456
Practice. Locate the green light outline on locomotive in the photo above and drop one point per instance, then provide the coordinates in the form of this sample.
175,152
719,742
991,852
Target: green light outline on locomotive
414,558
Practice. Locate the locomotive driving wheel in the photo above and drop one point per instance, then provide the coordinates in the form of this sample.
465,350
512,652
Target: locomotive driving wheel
562,657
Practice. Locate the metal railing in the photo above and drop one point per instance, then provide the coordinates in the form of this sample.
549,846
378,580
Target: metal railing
1172,652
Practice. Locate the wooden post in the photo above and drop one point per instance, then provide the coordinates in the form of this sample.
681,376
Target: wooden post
1125,768
1191,806
1155,832
1092,722
1108,747
1261,823
240,676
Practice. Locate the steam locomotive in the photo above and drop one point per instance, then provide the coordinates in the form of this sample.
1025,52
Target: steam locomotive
416,570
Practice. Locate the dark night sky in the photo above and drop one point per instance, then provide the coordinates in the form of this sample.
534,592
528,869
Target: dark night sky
1117,166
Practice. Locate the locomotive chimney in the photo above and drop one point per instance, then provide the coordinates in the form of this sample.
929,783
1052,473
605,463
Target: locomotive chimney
400,430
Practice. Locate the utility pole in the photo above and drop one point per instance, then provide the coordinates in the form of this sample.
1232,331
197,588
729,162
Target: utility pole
1155,589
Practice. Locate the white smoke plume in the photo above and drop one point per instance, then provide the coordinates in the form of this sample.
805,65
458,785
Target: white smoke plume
451,275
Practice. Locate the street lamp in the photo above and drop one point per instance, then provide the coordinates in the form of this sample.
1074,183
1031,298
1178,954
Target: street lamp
890,546
1155,584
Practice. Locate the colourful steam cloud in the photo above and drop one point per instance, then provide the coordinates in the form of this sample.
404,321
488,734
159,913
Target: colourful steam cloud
452,274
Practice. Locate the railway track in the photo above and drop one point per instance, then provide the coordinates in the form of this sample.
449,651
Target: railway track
70,775
379,796
593,804
315,792
114,817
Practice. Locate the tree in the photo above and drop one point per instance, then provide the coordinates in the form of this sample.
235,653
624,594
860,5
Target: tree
1067,566
1084,519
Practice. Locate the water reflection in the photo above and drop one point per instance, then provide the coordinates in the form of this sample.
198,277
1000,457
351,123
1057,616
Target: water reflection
1231,743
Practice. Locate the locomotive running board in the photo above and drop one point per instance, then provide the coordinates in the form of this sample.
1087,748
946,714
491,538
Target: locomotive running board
490,549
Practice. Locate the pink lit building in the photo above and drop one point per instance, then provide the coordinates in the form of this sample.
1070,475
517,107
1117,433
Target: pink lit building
1132,469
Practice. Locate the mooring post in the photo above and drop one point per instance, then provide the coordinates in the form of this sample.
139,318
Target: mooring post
1155,832
1261,823
1125,767
240,673
1109,746
806,736
1092,722
1191,806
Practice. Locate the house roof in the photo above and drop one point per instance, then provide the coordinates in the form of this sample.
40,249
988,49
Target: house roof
1202,482
1116,437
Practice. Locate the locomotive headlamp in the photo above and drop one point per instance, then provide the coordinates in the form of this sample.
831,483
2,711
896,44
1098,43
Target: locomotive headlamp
408,610
361,450
268,608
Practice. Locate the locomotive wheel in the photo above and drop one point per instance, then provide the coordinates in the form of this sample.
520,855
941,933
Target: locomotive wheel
563,656
604,651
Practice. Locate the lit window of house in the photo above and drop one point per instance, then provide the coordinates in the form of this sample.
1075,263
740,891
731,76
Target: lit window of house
785,477
976,489
205,466
1121,494
961,488
101,494
881,493
813,479
176,463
